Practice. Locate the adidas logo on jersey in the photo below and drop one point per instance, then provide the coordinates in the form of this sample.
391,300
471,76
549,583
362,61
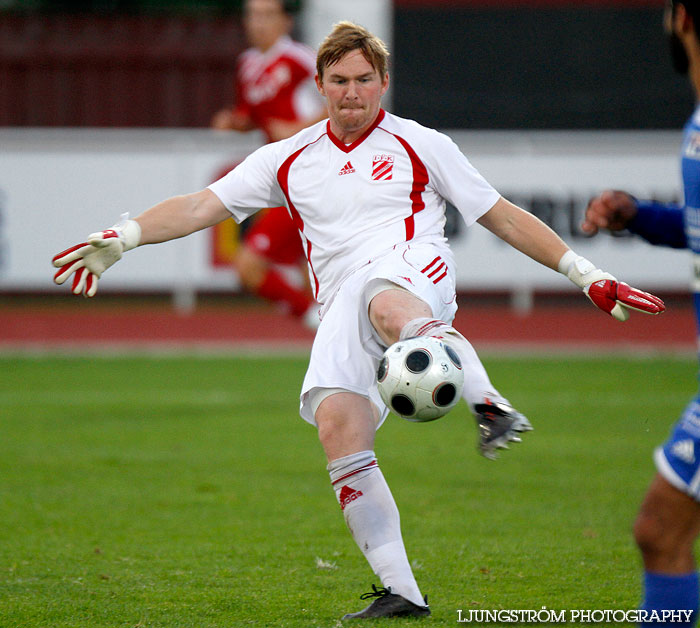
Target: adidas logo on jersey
684,450
347,169
348,495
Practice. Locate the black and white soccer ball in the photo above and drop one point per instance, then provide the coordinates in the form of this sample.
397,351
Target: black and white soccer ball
420,378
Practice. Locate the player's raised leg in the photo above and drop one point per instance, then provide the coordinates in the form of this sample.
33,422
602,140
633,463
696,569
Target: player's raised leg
397,314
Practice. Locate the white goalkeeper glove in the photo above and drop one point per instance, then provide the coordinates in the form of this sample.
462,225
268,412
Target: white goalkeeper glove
613,297
88,260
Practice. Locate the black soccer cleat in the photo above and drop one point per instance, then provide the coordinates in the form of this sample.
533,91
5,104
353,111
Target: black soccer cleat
498,425
388,604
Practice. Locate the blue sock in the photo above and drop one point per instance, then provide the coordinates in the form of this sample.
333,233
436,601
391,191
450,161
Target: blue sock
667,592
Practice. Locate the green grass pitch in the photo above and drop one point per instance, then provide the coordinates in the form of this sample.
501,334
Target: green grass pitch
187,492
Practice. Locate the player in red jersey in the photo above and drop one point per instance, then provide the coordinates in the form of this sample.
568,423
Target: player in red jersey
276,93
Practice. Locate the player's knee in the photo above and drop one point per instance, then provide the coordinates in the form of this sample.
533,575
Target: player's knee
392,309
346,424
652,537
387,324
666,527
665,549
329,417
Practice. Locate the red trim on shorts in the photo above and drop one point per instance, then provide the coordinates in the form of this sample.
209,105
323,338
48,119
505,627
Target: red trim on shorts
283,180
437,268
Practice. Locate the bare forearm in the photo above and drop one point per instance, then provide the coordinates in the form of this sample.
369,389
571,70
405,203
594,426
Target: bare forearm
179,216
230,120
525,232
282,129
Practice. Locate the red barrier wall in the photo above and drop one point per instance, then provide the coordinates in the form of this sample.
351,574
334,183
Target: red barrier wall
83,70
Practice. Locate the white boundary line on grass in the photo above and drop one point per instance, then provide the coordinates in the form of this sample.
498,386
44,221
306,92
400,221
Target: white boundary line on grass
155,349
271,349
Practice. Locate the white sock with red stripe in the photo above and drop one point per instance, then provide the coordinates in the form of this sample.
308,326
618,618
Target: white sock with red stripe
477,385
373,519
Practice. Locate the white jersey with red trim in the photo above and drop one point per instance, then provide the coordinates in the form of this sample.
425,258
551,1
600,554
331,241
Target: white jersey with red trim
353,203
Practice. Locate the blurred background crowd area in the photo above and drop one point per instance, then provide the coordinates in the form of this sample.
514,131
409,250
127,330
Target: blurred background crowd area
554,99
457,64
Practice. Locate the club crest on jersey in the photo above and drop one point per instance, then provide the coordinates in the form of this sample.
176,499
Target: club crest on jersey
692,146
382,167
347,169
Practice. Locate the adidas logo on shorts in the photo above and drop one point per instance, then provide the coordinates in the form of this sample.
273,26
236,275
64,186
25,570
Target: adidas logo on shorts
684,450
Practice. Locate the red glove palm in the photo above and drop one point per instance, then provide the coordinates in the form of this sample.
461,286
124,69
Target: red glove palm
616,297
606,292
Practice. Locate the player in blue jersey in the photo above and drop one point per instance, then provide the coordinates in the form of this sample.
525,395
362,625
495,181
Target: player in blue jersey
668,522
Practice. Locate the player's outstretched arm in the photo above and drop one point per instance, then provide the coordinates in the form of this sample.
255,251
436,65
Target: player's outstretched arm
180,216
173,218
531,236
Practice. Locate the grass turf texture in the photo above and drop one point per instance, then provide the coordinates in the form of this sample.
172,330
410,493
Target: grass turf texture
187,492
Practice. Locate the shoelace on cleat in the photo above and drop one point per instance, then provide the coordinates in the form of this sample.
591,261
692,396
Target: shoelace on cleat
376,592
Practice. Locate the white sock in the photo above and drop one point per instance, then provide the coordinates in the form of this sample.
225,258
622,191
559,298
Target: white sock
373,520
477,386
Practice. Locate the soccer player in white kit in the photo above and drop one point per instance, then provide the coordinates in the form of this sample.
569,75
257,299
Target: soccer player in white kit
367,192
